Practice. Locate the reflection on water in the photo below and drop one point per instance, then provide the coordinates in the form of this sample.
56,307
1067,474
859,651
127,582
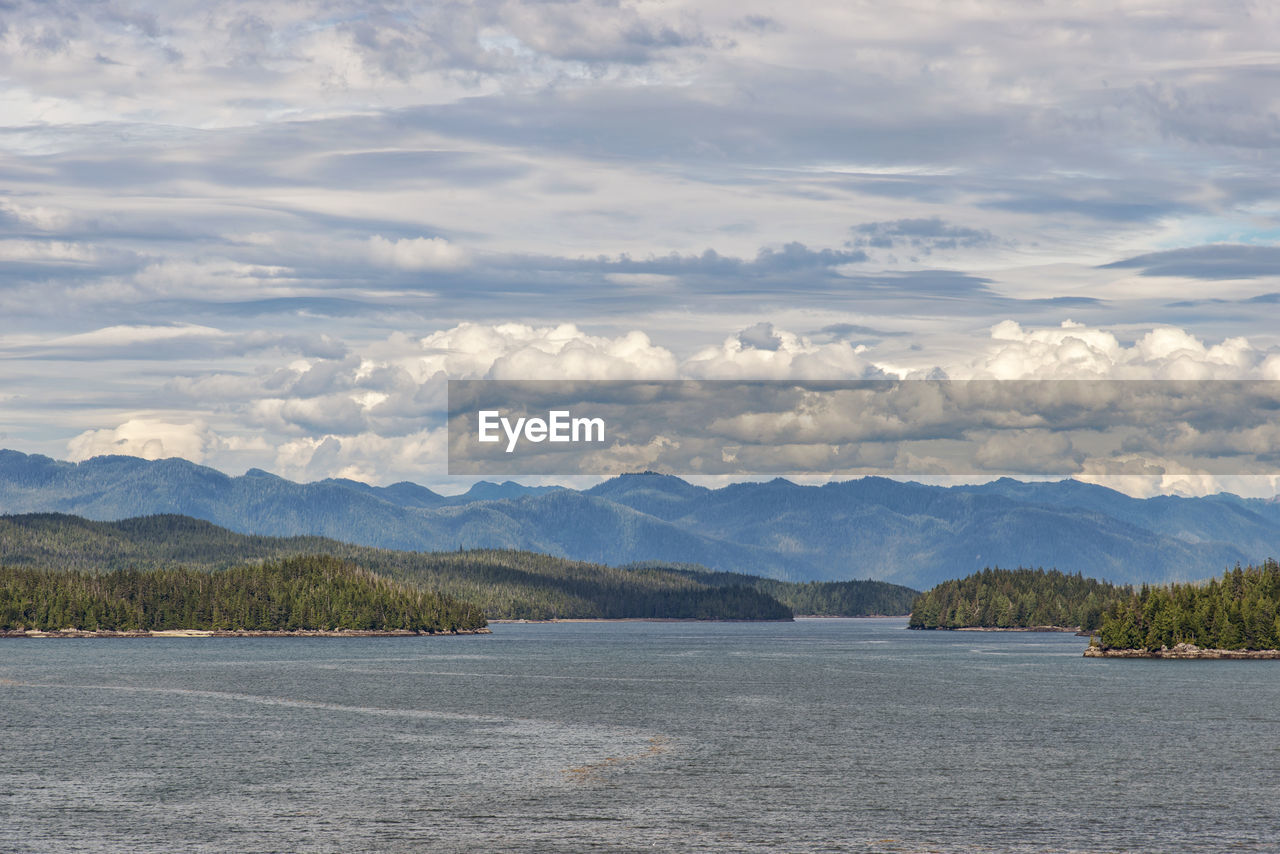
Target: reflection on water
822,735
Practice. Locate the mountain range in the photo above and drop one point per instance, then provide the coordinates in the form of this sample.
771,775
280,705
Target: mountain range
907,533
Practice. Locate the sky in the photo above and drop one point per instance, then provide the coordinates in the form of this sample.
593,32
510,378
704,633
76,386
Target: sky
264,235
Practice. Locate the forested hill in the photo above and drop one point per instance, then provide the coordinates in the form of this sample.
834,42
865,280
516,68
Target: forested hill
1016,598
812,598
504,584
906,533
314,593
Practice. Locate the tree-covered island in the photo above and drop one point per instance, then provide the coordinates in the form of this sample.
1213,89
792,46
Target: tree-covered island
298,594
1231,617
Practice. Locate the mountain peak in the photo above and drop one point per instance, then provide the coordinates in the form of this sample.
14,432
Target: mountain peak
487,490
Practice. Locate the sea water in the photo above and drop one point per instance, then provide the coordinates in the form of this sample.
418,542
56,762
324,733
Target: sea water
817,735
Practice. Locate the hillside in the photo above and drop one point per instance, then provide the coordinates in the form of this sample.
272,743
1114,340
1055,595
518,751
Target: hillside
1016,598
505,584
812,598
906,533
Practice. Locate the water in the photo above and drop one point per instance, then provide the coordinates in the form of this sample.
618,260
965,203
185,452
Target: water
819,735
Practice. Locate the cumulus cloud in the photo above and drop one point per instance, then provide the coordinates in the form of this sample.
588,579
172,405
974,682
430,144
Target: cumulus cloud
1076,351
366,457
761,352
416,254
760,336
148,438
385,401
1147,476
515,351
1059,400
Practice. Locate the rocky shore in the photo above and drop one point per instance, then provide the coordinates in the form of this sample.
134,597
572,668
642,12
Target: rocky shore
1183,650
198,633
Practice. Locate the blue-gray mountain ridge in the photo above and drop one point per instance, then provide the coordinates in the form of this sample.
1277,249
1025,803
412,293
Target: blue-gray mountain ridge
907,533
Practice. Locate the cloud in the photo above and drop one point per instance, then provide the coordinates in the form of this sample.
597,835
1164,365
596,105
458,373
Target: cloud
367,457
849,330
1076,351
761,336
650,281
167,342
922,235
889,427
417,254
148,438
1207,262
1028,452
519,351
269,208
784,355
375,412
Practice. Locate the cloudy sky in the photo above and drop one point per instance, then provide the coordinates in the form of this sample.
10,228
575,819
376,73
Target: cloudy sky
263,235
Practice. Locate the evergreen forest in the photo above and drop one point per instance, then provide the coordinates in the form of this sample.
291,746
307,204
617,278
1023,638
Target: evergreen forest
1236,612
293,594
1016,598
859,598
502,583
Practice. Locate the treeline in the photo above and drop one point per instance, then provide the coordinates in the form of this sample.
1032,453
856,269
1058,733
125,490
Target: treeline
840,598
1016,598
1238,611
862,598
147,542
294,594
504,584
517,585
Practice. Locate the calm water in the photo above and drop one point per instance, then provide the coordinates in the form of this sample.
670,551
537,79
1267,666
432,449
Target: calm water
822,735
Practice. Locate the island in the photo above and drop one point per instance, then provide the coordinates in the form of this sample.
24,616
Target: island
1234,617
316,595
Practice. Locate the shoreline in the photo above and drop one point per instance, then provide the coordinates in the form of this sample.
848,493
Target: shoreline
696,619
848,617
1075,630
627,620
1186,651
227,633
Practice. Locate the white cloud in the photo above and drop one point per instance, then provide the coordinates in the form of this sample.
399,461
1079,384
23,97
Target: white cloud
1148,476
366,457
394,389
1076,351
645,281
123,336
787,356
416,254
56,251
515,351
148,438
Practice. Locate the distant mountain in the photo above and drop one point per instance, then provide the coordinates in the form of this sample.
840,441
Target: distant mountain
907,533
